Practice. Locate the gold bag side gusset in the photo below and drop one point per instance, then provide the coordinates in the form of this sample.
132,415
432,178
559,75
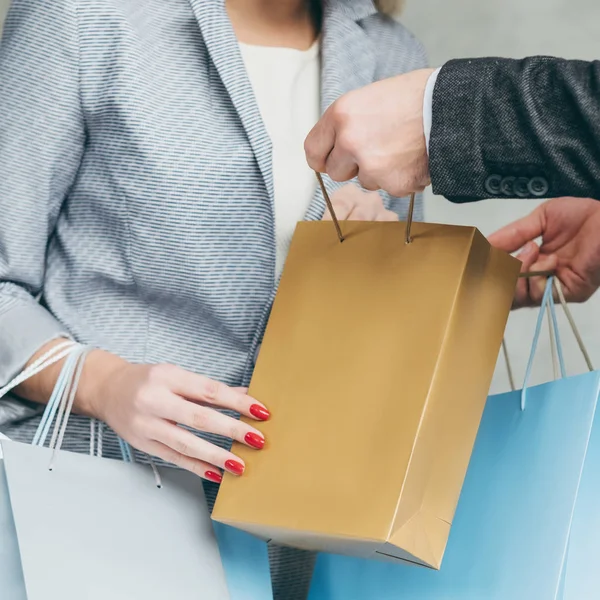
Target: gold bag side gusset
375,364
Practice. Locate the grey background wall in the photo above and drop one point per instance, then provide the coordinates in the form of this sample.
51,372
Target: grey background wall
513,28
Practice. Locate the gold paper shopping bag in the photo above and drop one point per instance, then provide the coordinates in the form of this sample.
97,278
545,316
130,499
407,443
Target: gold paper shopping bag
376,364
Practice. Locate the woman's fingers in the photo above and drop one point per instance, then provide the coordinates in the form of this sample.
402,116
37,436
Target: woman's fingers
187,444
198,467
353,204
371,209
149,403
202,418
387,215
367,205
198,388
342,206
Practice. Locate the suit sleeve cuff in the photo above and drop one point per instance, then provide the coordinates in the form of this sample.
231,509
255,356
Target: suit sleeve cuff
427,106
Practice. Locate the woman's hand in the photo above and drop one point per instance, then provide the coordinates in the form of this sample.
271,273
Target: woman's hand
354,204
570,232
146,404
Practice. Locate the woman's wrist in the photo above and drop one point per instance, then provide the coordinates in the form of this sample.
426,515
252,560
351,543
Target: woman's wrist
99,368
38,388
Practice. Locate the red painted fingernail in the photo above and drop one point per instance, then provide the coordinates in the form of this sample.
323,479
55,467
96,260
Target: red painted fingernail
255,440
235,467
214,477
259,412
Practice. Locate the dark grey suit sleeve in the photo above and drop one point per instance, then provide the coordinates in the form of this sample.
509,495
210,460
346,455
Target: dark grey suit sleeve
516,128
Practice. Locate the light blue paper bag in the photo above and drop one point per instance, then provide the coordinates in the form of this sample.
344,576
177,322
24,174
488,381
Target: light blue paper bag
246,563
510,538
582,573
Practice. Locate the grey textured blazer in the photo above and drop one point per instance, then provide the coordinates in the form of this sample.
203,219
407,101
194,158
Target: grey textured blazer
507,128
136,192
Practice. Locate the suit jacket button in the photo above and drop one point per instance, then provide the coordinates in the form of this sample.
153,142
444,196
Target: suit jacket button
507,186
492,185
538,186
521,187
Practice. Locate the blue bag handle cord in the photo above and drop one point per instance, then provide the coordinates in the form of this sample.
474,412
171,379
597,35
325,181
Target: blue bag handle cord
62,398
554,327
547,303
64,387
61,401
571,320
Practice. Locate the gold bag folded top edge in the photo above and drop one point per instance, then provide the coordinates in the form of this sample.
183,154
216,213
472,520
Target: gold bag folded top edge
375,364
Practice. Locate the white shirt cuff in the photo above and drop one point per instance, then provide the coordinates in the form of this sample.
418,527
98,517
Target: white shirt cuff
427,106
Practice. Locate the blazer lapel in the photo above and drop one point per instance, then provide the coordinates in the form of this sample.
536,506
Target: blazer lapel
348,62
221,43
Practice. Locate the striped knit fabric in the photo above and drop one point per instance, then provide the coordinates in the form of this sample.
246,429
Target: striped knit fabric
136,193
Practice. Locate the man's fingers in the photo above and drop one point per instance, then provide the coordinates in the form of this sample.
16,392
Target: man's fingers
530,290
517,234
537,285
340,165
320,142
368,180
528,256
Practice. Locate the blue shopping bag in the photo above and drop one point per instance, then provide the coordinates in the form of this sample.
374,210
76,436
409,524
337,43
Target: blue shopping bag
246,562
581,574
511,535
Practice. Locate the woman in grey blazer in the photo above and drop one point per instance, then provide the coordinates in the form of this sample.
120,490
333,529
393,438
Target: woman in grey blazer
136,207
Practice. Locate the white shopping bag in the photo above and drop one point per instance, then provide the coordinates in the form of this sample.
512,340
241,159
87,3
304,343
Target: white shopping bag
96,528
82,527
12,585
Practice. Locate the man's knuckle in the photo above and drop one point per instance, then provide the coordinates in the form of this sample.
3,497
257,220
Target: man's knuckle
348,139
369,164
343,108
